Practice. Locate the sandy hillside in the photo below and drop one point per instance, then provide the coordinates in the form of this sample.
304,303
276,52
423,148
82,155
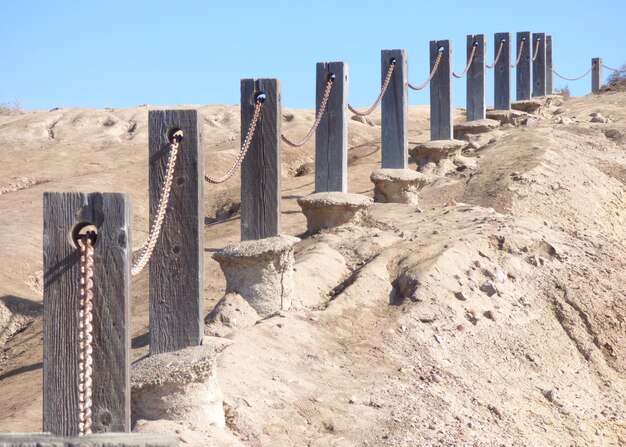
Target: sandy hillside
392,339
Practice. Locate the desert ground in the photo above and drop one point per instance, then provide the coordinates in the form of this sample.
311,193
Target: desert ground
393,338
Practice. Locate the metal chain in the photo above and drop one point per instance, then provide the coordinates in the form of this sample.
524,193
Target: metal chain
519,55
155,230
536,49
380,96
577,78
469,63
85,337
244,148
497,56
609,68
431,75
318,119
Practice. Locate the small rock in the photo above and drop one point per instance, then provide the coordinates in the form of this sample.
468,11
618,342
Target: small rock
352,400
551,395
530,122
437,378
489,288
489,314
461,296
500,275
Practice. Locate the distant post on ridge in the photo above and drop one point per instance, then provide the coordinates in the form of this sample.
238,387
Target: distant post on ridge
475,92
539,64
549,67
394,110
596,74
441,91
502,71
523,68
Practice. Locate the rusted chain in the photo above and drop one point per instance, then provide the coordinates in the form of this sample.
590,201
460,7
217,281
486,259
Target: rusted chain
609,68
244,147
85,337
469,62
536,49
155,230
577,78
380,96
431,75
519,55
497,56
318,118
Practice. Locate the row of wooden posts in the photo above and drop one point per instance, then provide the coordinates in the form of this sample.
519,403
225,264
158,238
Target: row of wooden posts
176,280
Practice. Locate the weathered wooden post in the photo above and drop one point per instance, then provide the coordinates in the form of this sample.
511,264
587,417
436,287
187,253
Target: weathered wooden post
502,72
523,67
331,137
549,67
539,64
476,78
394,110
260,170
441,91
176,269
70,219
596,74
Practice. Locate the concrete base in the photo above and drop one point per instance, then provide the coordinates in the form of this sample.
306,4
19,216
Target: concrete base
232,312
332,209
397,185
179,386
527,105
435,151
95,440
514,117
261,272
475,127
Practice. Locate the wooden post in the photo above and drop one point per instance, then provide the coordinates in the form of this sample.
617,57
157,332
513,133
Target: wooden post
99,440
331,137
549,65
523,69
441,91
65,214
476,78
394,110
539,65
502,72
176,283
260,170
596,74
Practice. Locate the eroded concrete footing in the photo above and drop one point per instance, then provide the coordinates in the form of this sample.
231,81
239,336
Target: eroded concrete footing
180,386
332,209
436,151
397,185
261,271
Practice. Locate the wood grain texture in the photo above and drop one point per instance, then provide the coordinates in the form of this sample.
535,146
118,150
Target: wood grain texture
549,85
110,213
260,171
539,65
502,72
177,266
596,74
331,137
98,440
475,92
394,110
523,71
441,92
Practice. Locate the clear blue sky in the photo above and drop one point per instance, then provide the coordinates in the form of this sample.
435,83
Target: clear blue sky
118,53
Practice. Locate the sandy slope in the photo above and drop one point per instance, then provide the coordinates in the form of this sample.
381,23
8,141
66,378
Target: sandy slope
383,351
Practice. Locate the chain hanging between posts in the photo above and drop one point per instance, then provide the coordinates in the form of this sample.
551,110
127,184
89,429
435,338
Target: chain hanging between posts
155,230
536,49
318,118
469,63
244,148
85,337
497,56
519,55
380,96
609,68
577,78
431,75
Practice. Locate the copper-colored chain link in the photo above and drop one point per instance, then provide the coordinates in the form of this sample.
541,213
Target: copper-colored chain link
536,49
380,96
519,55
318,118
497,56
155,230
431,75
577,78
244,148
469,63
85,337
